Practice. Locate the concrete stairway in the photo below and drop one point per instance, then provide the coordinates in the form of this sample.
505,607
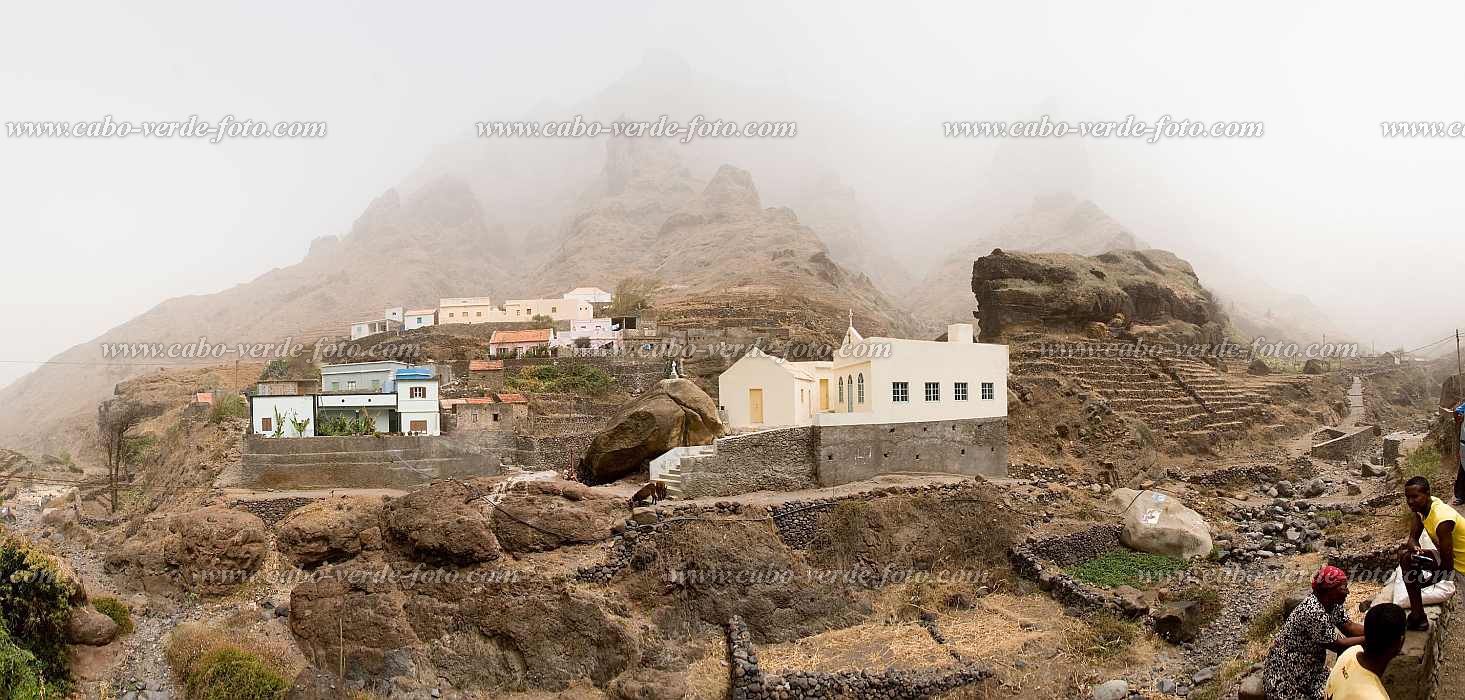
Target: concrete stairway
667,469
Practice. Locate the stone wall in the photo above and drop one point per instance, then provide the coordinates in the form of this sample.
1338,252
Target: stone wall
971,447
388,461
1415,673
749,682
1044,561
782,459
1346,443
272,510
789,459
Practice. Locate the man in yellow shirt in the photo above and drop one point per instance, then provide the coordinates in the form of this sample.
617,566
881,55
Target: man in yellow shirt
1423,568
1359,671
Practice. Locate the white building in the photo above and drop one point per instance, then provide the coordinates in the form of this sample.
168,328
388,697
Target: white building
464,310
590,295
391,320
417,402
870,381
595,333
398,399
557,309
282,416
420,318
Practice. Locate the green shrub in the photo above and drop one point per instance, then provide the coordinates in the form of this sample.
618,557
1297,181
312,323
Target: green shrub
1123,567
35,602
20,673
234,674
1423,461
117,610
220,664
227,406
585,380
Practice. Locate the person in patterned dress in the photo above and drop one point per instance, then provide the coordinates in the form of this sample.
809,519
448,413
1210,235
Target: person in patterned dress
1297,665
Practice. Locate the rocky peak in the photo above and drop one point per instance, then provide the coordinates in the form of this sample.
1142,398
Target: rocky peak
731,188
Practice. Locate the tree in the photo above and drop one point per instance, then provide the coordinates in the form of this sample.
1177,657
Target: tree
633,294
117,418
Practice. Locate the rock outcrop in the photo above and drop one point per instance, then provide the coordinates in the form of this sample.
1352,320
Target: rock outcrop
675,414
208,551
331,530
88,627
443,523
1148,293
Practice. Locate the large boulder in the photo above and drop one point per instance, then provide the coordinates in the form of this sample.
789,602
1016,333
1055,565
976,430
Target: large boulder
1258,368
89,627
331,530
215,549
1158,523
1315,366
444,523
675,414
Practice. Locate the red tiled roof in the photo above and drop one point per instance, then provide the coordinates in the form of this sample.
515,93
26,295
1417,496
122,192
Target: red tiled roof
533,335
479,400
513,398
449,403
485,365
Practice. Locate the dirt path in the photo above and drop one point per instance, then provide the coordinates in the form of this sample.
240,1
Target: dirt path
133,667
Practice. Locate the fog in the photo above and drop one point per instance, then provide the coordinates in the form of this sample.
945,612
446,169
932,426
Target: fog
99,230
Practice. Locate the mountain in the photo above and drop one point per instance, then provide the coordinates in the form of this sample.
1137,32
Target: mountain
721,255
855,237
436,242
1055,223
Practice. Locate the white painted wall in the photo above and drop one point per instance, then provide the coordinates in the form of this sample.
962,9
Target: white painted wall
420,321
262,407
787,399
946,363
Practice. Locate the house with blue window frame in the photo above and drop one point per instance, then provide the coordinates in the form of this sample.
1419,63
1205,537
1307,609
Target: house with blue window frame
398,398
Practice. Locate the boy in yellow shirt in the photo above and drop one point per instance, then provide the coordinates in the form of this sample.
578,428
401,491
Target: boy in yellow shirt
1421,567
1359,671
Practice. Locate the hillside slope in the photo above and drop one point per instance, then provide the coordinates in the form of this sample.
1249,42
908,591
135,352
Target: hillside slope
435,242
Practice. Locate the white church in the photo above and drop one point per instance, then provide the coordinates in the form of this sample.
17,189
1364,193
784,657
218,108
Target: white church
870,381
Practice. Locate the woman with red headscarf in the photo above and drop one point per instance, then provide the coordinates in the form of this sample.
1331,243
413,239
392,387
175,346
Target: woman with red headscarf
1297,666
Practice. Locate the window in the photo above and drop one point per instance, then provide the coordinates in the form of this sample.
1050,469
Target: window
554,309
958,391
933,391
335,386
450,314
495,417
376,385
417,392
351,384
988,391
841,389
900,392
860,382
265,425
478,313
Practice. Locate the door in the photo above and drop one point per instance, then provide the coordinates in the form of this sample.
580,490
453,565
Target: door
755,406
824,394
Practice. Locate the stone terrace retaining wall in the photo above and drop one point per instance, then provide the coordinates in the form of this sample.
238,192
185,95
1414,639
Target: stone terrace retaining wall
1043,561
273,510
1347,443
750,683
788,459
387,461
782,459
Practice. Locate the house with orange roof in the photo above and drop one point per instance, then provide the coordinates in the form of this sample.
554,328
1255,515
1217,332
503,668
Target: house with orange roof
520,343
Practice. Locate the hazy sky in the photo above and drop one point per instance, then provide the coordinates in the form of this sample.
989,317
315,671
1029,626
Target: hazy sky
100,230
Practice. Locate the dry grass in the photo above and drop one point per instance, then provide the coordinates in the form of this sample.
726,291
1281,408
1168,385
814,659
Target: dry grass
708,677
193,645
873,645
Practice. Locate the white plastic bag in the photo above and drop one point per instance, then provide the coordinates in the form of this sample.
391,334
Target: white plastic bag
1395,592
